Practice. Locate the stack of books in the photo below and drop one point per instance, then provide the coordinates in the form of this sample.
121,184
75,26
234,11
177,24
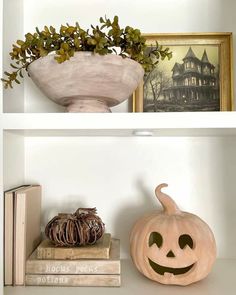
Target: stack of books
22,211
93,265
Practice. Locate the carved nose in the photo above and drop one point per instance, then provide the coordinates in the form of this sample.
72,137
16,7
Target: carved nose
170,254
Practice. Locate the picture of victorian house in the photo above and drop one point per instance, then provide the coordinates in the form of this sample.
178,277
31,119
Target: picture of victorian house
194,80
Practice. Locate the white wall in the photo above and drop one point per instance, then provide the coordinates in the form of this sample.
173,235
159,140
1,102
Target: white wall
119,175
12,30
13,160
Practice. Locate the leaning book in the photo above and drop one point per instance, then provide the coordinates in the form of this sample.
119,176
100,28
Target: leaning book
9,216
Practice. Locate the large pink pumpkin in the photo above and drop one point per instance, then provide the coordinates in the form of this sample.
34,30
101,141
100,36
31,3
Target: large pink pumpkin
172,247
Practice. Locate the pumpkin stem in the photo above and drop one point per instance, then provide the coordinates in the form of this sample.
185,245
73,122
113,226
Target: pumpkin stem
166,201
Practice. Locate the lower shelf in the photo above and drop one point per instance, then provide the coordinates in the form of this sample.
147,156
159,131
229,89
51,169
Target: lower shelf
220,281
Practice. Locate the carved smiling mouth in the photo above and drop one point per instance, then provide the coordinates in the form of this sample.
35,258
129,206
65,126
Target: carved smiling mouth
161,270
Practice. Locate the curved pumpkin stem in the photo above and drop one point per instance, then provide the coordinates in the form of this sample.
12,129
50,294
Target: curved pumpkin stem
166,201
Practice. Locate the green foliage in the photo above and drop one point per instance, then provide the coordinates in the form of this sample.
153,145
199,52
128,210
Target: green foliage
104,39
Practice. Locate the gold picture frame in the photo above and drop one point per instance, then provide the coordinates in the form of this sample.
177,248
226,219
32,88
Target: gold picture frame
176,93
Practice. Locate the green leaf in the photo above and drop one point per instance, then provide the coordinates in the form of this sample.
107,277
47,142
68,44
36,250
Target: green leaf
63,28
37,30
71,30
43,52
92,41
77,43
65,47
58,59
71,52
13,66
61,51
46,29
29,37
20,42
52,30
103,26
21,75
116,19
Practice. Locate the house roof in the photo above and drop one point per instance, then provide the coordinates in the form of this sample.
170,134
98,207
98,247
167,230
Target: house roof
178,67
205,57
190,54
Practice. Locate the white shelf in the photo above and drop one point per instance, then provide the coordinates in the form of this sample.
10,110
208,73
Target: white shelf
220,281
122,124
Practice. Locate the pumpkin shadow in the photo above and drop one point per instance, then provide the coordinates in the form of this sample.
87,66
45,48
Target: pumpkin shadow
130,213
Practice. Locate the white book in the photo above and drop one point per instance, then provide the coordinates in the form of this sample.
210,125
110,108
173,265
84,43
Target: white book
27,228
73,280
9,234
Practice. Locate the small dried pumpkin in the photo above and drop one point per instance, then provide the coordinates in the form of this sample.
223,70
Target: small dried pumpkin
78,229
172,247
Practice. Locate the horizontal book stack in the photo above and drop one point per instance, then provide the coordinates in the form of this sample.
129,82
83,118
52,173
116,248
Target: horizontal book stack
93,265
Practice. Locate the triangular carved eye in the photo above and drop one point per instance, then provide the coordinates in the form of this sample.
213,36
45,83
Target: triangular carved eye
185,240
155,238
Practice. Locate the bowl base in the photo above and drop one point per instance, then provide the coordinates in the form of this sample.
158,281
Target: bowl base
88,106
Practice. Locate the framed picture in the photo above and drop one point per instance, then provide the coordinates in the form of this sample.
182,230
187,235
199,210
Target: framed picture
198,77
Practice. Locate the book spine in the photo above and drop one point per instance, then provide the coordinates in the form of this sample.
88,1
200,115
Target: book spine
70,253
73,280
72,267
8,238
20,241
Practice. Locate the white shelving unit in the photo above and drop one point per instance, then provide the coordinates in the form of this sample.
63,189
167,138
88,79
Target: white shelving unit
220,280
116,122
114,161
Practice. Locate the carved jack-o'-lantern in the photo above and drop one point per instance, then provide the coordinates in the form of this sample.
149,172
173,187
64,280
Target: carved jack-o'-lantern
172,247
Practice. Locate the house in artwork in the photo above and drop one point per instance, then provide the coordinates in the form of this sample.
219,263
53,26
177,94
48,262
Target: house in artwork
193,80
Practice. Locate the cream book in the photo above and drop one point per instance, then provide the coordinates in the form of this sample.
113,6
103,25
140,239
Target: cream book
9,234
81,266
27,228
73,280
100,250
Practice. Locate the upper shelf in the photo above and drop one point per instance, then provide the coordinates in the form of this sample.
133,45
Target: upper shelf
123,124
